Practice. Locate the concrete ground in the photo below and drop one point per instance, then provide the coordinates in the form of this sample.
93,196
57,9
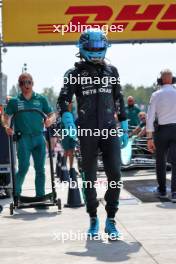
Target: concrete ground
44,237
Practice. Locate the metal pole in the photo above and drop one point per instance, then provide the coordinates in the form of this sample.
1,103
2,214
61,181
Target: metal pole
3,84
1,89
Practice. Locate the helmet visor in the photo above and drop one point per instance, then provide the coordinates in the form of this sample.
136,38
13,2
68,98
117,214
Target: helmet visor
95,45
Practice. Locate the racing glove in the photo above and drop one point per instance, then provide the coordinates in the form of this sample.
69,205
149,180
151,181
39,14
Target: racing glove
124,137
69,125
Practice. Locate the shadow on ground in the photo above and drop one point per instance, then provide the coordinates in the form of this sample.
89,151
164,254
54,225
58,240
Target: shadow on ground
168,205
115,251
31,216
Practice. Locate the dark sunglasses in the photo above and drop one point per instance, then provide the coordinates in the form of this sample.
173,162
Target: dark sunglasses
29,82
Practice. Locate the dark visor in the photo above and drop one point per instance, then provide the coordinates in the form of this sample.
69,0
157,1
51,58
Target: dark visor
94,45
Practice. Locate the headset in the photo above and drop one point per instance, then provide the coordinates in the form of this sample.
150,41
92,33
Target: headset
160,82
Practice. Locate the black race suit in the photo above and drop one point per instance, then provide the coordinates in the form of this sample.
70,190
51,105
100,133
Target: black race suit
96,108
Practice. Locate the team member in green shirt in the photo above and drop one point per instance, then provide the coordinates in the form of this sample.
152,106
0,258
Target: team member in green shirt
30,126
132,112
140,130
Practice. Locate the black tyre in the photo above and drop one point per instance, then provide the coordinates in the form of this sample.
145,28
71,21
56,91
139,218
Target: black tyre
11,209
59,205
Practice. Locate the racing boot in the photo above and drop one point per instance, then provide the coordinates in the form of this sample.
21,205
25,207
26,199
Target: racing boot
94,227
111,229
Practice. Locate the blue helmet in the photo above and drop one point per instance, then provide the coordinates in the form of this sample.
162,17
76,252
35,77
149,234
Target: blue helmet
93,45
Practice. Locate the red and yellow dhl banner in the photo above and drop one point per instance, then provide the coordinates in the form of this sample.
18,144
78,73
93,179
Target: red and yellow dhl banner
43,21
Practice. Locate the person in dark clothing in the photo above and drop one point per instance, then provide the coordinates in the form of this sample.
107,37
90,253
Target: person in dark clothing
97,104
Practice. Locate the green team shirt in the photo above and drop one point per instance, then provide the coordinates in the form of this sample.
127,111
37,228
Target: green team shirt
28,122
142,124
132,115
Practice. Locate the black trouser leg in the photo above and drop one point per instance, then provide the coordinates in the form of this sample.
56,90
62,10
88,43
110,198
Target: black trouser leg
89,152
111,159
172,152
162,145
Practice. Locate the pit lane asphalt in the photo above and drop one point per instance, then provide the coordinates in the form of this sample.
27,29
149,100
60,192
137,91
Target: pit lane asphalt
38,236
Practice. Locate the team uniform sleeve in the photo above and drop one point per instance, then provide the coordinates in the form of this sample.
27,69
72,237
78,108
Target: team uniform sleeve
10,108
47,109
118,97
151,114
67,92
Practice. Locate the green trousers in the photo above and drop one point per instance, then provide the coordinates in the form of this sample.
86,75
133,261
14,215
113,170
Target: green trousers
36,146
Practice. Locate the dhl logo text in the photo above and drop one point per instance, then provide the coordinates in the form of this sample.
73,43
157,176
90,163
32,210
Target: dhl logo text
132,17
